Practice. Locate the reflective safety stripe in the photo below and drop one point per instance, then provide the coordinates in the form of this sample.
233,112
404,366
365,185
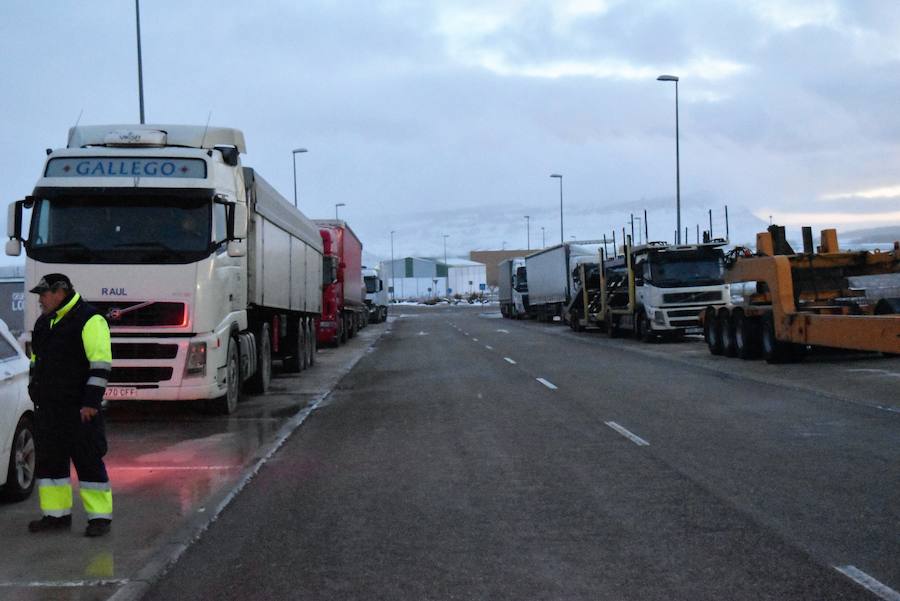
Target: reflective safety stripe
59,513
101,365
95,381
54,481
97,499
56,499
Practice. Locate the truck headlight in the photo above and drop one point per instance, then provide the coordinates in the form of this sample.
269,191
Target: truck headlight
196,359
659,318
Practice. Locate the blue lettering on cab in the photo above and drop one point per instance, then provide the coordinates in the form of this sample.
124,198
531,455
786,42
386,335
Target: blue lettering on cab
113,292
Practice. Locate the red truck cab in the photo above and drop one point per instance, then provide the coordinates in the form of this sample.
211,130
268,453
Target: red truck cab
343,300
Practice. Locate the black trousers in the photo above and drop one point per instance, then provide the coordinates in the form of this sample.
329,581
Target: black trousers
61,438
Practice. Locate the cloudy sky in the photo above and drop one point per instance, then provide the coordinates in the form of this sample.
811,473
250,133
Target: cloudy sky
433,118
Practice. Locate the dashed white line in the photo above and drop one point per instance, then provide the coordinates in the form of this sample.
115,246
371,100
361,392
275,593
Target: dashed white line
508,360
629,435
488,347
504,331
867,582
547,383
474,340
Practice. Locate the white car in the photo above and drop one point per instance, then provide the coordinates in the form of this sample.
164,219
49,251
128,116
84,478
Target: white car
17,456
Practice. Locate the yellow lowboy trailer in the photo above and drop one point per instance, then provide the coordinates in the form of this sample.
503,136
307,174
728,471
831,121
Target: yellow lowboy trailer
803,299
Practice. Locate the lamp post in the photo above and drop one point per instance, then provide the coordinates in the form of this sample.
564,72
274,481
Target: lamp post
447,281
527,232
294,153
339,204
137,19
677,159
392,264
561,239
543,238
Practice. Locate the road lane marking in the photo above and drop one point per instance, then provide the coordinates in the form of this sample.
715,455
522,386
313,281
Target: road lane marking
488,347
547,383
474,340
64,583
629,435
508,360
504,331
881,372
422,333
867,582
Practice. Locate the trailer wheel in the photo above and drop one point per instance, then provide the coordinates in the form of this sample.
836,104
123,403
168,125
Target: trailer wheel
313,343
746,336
725,326
711,328
341,338
228,402
774,350
612,327
303,343
260,381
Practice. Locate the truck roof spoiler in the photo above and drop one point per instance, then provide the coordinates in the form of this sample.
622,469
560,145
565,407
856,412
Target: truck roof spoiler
190,136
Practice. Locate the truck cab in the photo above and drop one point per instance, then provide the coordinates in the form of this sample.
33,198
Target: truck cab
376,295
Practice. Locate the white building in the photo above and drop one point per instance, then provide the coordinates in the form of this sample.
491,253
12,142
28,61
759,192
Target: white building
414,278
466,277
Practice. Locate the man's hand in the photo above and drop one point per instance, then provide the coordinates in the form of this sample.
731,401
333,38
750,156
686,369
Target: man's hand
87,414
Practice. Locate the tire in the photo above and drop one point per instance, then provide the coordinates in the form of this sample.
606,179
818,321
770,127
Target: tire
746,336
612,328
642,330
383,317
776,351
342,336
20,475
259,382
712,332
302,343
293,362
228,402
313,343
725,326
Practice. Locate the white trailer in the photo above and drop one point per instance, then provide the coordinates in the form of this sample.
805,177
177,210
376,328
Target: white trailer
550,283
204,272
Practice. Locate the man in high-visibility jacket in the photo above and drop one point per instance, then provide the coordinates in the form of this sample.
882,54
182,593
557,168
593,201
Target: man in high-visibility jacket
70,364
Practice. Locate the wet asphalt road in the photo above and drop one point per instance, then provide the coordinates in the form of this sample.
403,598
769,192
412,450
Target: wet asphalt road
470,457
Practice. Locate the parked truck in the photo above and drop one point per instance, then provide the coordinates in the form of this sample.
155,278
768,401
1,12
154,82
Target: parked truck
550,283
205,273
512,287
793,300
343,300
655,290
376,295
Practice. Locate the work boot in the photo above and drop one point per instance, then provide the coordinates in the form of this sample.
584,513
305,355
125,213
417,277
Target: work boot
49,522
97,527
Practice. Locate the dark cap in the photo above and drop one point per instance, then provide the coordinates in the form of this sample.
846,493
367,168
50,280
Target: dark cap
52,281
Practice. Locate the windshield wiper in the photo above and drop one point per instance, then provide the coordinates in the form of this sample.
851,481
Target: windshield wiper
62,246
156,245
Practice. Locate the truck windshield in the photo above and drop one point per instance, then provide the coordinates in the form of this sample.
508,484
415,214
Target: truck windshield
371,283
112,228
695,271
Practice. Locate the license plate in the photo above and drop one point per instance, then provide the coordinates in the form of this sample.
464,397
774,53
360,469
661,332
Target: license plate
695,330
114,393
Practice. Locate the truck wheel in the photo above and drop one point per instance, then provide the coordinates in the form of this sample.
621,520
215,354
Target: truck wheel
746,336
20,474
342,335
612,328
725,326
228,402
774,350
260,381
713,332
293,361
642,330
313,343
383,316
302,344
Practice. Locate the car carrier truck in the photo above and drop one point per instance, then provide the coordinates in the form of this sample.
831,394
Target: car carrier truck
655,290
797,300
512,288
205,273
343,300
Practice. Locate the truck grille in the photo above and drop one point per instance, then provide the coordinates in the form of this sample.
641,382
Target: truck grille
154,314
138,375
684,313
692,297
139,350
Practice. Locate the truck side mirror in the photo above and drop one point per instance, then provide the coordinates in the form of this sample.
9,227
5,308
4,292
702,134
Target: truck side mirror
239,221
13,248
14,227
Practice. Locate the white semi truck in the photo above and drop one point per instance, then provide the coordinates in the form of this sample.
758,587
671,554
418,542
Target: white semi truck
512,287
376,295
204,272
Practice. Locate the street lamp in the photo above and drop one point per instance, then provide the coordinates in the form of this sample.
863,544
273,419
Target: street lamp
339,204
137,19
447,284
294,153
527,232
561,239
392,264
677,159
543,238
